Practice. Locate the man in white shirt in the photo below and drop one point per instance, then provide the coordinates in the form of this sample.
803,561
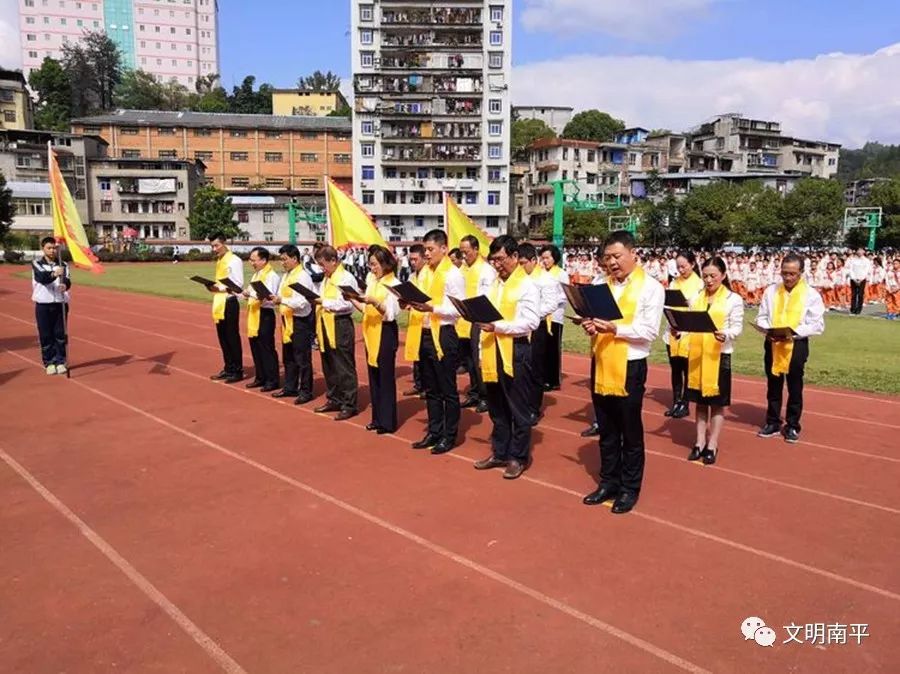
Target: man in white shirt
439,369
478,276
50,285
807,320
859,267
509,385
261,316
416,256
618,391
297,328
552,262
228,327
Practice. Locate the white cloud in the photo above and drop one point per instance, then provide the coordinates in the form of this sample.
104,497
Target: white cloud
10,54
845,98
643,20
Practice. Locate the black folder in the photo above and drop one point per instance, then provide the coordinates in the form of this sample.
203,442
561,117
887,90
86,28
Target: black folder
690,321
676,298
593,301
409,293
262,290
351,292
231,285
209,283
478,309
781,333
310,295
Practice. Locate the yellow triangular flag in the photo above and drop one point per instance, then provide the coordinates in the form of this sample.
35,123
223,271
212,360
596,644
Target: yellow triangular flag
349,222
459,225
67,227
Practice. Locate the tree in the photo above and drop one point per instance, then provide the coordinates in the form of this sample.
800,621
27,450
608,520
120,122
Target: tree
342,110
140,90
245,100
704,222
53,87
759,218
873,160
525,132
210,95
212,212
319,81
593,125
813,211
578,226
7,208
95,64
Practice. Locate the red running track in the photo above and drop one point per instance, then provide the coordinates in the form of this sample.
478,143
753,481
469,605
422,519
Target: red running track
153,520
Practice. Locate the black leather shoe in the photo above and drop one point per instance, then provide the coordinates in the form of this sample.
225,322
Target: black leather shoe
220,375
443,446
602,494
680,411
382,431
256,383
769,431
233,378
343,415
470,402
535,418
482,407
372,427
791,435
709,456
591,431
327,407
696,453
302,399
669,412
284,394
268,388
427,442
625,502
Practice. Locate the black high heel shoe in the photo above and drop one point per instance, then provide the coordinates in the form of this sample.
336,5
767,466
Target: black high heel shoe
709,456
696,453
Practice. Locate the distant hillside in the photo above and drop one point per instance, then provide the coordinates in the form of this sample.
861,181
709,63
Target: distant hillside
871,161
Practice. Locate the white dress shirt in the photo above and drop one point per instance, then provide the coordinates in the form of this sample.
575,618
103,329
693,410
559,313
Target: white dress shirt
811,323
858,268
454,286
549,292
340,306
273,283
527,316
486,276
647,316
559,314
295,301
236,271
391,303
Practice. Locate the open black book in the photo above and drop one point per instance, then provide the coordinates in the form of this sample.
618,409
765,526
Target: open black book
478,309
231,285
409,293
310,295
209,283
352,293
690,321
262,290
676,298
777,333
593,301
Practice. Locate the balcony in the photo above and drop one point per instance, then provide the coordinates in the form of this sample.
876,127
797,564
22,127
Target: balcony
438,40
429,61
432,152
416,85
442,16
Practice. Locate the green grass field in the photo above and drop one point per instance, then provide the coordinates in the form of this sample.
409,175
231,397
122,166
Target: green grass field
861,353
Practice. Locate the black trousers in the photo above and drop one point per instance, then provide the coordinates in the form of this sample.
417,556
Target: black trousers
509,406
469,357
418,384
383,379
857,296
678,367
51,327
439,377
262,348
622,432
297,355
229,333
539,341
339,365
794,379
553,362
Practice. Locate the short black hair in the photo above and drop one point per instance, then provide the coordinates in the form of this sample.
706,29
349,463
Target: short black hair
438,236
471,240
326,253
417,248
792,257
527,250
385,258
262,253
290,250
506,243
554,253
622,236
455,253
46,240
216,236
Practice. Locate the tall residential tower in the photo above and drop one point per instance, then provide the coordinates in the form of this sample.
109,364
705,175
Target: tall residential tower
432,111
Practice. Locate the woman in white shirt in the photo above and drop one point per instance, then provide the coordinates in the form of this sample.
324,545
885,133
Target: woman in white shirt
709,360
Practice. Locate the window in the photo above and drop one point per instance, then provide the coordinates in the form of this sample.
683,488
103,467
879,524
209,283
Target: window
496,38
131,154
493,198
309,183
496,14
202,132
238,133
172,30
243,216
495,128
368,173
309,157
274,182
106,206
163,131
342,159
368,150
495,151
493,221
365,37
274,156
168,154
495,59
268,216
240,156
495,106
367,59
368,197
30,37
105,184
471,197
240,182
495,175
9,115
203,155
367,128
32,54
365,12
273,134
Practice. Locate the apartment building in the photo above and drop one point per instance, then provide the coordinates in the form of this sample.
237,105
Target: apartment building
152,196
267,218
432,111
309,103
554,116
16,107
242,153
168,38
733,143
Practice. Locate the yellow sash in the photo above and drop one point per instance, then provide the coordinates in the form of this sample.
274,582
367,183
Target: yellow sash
219,299
506,303
611,352
325,319
787,312
254,305
431,282
471,276
689,287
287,314
704,357
372,319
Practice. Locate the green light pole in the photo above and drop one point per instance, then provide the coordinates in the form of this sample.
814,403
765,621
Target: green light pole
292,222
